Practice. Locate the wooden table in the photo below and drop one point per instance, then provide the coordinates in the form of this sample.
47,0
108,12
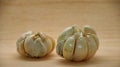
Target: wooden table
52,17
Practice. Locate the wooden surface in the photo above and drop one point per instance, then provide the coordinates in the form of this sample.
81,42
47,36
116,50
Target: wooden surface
52,17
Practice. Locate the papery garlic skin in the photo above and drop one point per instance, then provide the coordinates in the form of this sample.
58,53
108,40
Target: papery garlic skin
35,44
77,45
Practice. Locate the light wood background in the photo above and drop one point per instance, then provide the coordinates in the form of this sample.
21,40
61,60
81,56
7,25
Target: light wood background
52,17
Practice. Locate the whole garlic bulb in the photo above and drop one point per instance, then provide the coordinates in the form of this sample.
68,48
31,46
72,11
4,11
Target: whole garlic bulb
77,45
35,44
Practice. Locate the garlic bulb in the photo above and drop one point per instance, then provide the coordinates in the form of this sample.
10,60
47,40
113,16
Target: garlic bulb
35,44
77,45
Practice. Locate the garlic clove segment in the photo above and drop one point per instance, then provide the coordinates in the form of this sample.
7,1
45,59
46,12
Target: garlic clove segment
89,30
35,44
20,42
92,46
81,49
68,48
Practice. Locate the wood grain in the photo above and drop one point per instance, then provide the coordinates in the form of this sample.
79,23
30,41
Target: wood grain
51,17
